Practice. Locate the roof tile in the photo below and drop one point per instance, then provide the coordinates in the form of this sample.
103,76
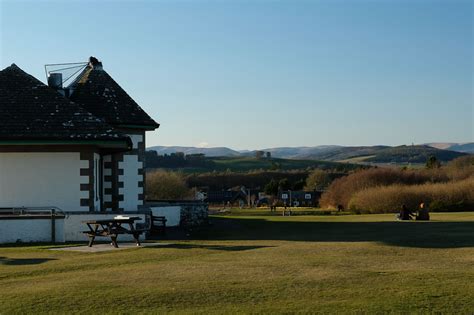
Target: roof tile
99,94
30,110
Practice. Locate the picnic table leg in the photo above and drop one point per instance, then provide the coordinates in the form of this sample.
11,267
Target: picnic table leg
91,240
114,240
92,235
136,236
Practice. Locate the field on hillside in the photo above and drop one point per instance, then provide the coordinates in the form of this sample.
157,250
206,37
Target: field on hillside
251,163
259,264
245,164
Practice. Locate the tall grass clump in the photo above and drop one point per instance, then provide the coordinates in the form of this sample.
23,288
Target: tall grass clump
342,189
449,196
460,168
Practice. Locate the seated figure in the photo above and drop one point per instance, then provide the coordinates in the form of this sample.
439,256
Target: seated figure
423,213
404,213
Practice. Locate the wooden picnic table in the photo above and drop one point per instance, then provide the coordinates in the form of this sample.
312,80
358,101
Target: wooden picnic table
112,228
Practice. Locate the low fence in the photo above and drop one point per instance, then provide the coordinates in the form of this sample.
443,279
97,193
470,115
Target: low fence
38,224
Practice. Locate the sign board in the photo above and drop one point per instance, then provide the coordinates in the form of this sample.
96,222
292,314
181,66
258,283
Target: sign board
307,196
284,196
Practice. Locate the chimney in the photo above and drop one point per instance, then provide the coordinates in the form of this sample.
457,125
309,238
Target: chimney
55,80
94,63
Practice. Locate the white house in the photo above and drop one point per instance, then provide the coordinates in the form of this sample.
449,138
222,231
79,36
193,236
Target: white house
84,155
79,148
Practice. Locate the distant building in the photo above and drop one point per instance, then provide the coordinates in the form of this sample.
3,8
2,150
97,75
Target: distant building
240,197
299,198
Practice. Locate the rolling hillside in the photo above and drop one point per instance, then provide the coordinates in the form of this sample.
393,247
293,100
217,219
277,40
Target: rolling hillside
357,154
459,147
383,154
218,151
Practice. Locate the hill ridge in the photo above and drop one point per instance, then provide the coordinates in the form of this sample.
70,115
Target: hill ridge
365,154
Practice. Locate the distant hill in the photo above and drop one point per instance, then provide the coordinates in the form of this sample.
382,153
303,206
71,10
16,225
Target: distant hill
412,154
211,152
459,147
384,154
298,152
357,154
371,154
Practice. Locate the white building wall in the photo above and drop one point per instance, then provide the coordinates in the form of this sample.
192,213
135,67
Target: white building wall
30,230
130,178
36,179
135,140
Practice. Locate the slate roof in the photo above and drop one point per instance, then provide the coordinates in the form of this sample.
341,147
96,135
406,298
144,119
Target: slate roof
98,93
30,110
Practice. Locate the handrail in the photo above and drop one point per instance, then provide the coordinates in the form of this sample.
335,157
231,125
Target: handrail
31,210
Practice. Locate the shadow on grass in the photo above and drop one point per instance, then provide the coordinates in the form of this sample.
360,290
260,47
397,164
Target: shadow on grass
23,261
407,234
213,247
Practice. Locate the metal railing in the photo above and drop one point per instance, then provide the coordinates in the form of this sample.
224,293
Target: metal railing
51,213
30,211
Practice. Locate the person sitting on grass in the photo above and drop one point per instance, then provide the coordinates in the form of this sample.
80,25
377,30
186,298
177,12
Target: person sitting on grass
423,213
405,214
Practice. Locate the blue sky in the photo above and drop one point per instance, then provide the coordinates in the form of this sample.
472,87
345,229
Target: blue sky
258,74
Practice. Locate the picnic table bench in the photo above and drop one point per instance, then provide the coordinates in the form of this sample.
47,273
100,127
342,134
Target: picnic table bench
112,228
158,224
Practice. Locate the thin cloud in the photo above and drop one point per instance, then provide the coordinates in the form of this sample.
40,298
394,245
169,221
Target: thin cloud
203,145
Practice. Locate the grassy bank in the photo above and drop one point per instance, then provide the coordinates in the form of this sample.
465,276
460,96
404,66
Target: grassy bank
259,264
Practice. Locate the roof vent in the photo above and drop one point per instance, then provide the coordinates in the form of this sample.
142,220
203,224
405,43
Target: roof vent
55,80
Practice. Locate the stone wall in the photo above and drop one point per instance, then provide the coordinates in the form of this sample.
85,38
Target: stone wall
194,214
191,213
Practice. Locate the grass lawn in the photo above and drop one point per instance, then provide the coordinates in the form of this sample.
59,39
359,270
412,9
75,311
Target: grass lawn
259,264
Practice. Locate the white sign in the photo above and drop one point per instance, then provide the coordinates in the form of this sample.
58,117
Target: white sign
284,196
307,196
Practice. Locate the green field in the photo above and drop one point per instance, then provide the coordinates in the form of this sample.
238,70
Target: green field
245,164
362,264
250,163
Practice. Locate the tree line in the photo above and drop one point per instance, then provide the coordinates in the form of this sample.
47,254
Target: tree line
176,160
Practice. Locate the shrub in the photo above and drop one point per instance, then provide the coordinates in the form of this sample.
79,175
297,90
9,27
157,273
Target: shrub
341,190
450,196
317,180
461,168
166,185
